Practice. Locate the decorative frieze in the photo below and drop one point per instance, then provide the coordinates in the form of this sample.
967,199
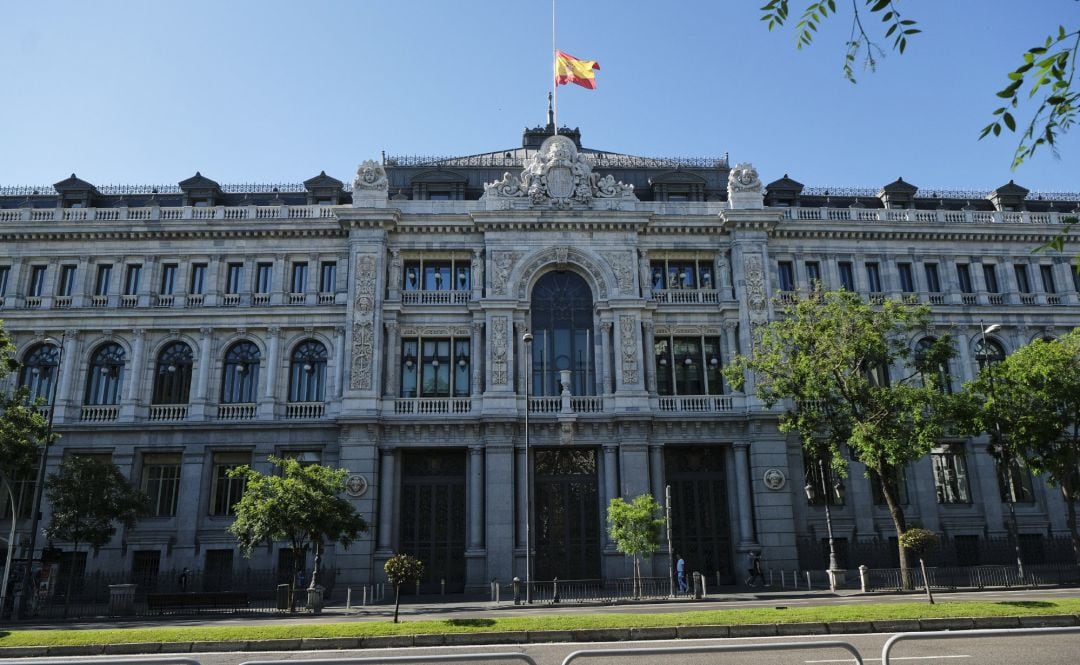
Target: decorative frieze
628,343
622,265
754,271
498,350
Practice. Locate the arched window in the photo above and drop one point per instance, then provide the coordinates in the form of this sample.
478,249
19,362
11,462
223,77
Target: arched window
307,372
39,371
172,379
241,378
562,326
988,350
928,365
105,375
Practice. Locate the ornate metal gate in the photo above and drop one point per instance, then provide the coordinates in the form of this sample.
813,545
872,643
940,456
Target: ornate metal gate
433,516
567,532
701,531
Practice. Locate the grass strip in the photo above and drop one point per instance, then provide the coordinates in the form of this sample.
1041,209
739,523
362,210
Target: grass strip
882,612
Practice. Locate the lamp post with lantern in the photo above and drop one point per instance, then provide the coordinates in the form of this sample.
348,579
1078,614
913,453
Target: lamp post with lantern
811,494
527,339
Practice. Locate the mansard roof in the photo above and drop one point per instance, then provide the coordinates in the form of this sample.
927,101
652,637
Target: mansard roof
1011,189
898,186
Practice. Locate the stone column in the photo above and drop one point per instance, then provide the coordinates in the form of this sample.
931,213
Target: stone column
205,361
386,501
393,366
339,363
64,398
605,362
730,342
476,497
476,353
81,286
968,364
273,335
135,376
742,483
649,363
611,485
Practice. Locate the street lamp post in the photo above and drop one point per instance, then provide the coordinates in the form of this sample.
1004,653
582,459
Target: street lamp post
527,339
35,506
811,493
1004,459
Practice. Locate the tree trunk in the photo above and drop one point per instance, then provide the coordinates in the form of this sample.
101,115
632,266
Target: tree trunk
397,600
899,521
926,581
1070,512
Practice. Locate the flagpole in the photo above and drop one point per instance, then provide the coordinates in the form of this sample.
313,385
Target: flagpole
554,85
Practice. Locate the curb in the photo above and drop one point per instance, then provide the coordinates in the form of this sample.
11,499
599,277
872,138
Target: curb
539,636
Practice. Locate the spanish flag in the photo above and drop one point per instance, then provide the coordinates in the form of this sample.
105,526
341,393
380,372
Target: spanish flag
569,69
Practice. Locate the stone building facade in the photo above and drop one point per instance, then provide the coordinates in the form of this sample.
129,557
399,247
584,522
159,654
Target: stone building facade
379,327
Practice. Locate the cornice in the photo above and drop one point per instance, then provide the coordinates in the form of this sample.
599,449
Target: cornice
559,220
966,233
72,234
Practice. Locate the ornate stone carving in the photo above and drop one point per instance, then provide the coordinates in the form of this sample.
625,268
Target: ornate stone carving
644,270
362,348
622,265
364,298
755,282
395,269
503,264
573,255
558,176
562,253
629,349
477,270
370,179
498,350
744,187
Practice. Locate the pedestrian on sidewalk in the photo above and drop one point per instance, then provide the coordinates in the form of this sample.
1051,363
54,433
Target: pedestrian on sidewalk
753,563
680,571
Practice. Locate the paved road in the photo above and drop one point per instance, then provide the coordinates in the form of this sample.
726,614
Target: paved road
1012,650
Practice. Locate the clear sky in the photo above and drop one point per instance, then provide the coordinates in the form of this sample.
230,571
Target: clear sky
148,92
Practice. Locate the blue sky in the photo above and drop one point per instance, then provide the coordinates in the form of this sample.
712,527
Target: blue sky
146,92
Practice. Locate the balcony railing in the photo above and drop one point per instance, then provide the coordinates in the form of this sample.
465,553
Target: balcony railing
925,216
99,414
32,302
435,297
237,411
99,301
230,300
432,405
129,301
193,300
167,412
163,300
696,403
168,214
686,296
303,410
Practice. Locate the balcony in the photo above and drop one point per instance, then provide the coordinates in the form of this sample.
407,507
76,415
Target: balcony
163,301
246,411
925,216
432,405
435,297
578,404
99,414
686,296
167,412
696,404
304,410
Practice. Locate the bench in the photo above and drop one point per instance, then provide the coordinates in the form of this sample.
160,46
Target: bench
196,600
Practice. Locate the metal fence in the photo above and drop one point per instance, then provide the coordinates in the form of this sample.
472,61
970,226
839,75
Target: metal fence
590,591
174,592
973,577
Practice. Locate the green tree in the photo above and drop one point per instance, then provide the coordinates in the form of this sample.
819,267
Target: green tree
400,569
919,541
1044,78
635,528
300,504
88,497
1030,404
828,358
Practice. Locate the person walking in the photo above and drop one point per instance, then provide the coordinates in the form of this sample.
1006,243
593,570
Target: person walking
753,567
680,571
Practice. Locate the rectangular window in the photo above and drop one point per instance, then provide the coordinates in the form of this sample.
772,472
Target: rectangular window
440,370
950,475
104,276
907,278
299,277
963,275
37,281
161,482
66,287
688,366
1014,482
5,273
1022,281
933,281
328,277
873,277
226,491
787,275
198,278
233,276
131,282
168,279
990,276
813,274
847,275
1045,271
681,274
263,274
